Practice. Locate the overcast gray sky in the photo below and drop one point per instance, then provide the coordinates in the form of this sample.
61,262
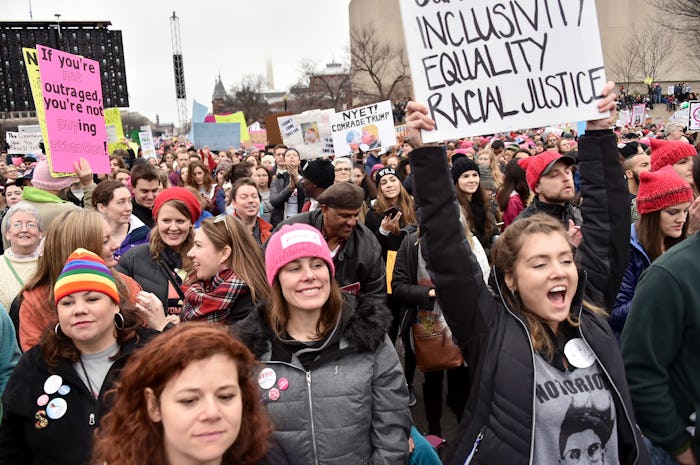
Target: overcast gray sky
233,37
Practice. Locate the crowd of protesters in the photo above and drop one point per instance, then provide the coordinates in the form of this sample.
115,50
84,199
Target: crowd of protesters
244,305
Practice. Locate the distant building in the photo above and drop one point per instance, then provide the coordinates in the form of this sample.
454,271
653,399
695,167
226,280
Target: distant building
90,39
218,97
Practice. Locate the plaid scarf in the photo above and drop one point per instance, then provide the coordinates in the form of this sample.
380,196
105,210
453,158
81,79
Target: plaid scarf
212,300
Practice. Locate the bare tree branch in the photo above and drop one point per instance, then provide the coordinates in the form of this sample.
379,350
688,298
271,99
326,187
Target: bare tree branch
246,96
382,66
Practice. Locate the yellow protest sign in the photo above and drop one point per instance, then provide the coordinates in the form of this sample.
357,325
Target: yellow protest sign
237,117
115,130
32,64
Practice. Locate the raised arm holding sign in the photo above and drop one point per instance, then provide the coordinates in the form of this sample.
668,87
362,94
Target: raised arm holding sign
484,66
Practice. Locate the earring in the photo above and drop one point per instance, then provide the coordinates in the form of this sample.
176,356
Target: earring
119,322
57,329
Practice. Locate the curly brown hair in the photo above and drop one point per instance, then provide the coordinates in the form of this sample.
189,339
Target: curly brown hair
127,430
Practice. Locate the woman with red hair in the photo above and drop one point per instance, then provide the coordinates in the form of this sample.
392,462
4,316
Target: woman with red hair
198,404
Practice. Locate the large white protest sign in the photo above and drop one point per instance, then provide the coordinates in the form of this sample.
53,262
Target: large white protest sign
23,142
306,132
372,125
486,66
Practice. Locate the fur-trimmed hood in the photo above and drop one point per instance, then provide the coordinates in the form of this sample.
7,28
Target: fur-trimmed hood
362,326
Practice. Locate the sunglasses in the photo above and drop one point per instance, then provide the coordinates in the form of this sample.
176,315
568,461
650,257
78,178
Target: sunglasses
222,218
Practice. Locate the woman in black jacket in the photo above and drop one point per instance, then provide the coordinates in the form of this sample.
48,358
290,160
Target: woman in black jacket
549,384
55,398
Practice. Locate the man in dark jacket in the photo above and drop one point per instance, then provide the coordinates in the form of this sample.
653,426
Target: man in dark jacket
357,255
146,184
550,178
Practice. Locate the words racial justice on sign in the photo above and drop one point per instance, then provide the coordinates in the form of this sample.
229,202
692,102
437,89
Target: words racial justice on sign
488,66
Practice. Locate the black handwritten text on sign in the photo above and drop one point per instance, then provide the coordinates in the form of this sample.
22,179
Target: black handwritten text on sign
486,66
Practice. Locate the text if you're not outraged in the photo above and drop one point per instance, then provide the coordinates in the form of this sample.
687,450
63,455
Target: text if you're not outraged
489,66
72,96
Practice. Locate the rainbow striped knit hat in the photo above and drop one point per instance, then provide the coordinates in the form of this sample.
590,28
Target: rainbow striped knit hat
85,271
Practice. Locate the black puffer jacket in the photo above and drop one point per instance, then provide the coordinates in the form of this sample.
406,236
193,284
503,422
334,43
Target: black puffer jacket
138,263
495,341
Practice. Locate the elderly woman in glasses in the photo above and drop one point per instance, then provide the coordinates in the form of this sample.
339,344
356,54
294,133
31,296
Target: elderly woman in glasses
228,273
24,232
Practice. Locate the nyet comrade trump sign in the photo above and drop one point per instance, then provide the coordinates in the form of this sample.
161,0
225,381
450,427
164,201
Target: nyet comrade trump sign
487,66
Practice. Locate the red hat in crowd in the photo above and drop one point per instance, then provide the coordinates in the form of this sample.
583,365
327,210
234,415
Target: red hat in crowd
539,165
661,189
668,152
181,194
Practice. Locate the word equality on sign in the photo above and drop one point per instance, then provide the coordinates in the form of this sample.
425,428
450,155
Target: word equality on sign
487,66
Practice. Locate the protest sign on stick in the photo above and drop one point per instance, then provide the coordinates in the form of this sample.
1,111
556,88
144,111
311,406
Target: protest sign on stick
148,147
372,125
75,123
486,66
638,114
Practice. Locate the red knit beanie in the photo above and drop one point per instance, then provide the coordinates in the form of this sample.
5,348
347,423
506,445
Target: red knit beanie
661,189
668,152
181,194
541,164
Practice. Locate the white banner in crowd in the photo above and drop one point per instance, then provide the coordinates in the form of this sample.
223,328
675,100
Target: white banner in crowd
306,132
372,125
22,143
694,115
487,66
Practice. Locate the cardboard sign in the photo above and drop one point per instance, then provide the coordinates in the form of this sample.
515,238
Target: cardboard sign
486,66
216,136
75,123
22,143
272,128
694,115
372,125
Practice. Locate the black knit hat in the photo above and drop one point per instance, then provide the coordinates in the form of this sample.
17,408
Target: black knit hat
462,165
320,172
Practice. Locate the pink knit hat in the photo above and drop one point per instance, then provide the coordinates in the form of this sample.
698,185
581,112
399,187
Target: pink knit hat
291,242
42,179
668,152
661,189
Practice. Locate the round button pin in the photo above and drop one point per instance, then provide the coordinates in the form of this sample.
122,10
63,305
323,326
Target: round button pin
57,408
273,394
42,400
578,353
52,384
267,378
283,384
63,390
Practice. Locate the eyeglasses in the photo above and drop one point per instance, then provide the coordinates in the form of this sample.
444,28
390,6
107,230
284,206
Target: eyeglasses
17,226
341,169
222,218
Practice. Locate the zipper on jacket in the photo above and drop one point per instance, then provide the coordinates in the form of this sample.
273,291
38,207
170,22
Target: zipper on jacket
311,417
532,358
475,448
617,392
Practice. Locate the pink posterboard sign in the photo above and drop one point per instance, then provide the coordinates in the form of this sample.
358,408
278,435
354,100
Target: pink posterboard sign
75,120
